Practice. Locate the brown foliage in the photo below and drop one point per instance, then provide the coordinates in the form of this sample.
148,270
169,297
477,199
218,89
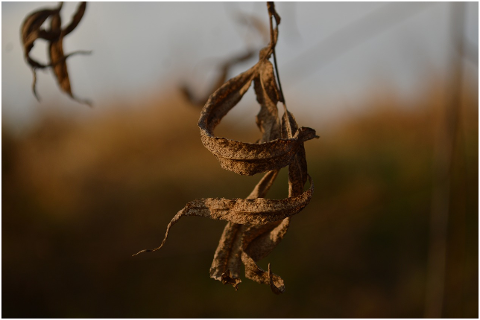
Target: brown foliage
32,30
255,225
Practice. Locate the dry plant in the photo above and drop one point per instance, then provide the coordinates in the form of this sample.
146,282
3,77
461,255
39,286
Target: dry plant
255,224
32,30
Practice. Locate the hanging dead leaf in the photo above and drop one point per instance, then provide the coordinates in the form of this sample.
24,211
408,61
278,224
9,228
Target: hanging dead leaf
255,225
250,158
32,30
250,211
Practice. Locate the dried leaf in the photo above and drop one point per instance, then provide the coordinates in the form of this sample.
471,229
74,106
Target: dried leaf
258,211
272,12
32,30
297,170
255,225
227,260
255,273
240,157
75,19
267,96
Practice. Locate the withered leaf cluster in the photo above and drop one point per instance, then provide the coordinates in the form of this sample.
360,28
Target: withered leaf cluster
32,30
255,224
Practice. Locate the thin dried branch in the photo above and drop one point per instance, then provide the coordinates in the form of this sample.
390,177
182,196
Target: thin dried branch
32,30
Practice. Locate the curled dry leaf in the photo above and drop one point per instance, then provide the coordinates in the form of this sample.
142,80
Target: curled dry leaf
250,158
32,30
255,225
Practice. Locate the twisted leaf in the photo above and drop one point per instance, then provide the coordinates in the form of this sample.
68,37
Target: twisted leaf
255,225
227,260
250,158
258,211
32,30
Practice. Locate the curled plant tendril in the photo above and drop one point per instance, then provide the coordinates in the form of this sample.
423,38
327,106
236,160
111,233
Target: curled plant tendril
32,30
255,224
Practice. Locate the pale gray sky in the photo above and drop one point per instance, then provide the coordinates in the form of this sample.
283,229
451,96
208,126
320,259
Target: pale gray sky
330,53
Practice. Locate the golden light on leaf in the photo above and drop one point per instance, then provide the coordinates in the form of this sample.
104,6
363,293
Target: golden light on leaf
255,224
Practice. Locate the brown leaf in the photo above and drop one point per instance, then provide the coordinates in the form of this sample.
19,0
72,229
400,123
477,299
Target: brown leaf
248,158
255,273
267,96
272,12
32,30
258,211
227,259
226,262
255,225
297,169
258,242
75,19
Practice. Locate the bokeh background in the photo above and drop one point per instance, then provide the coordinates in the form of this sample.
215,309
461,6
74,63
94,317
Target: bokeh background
392,229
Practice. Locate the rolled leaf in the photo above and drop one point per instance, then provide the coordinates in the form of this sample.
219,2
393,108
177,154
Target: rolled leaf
256,225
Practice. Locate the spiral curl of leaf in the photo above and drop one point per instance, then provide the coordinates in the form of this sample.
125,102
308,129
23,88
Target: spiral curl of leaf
255,225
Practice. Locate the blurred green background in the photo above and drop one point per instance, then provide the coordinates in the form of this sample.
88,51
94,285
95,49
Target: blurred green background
84,189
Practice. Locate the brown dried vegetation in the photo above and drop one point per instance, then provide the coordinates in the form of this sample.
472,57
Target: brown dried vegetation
32,30
255,224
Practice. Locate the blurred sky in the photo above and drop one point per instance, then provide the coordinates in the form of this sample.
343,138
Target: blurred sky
329,54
